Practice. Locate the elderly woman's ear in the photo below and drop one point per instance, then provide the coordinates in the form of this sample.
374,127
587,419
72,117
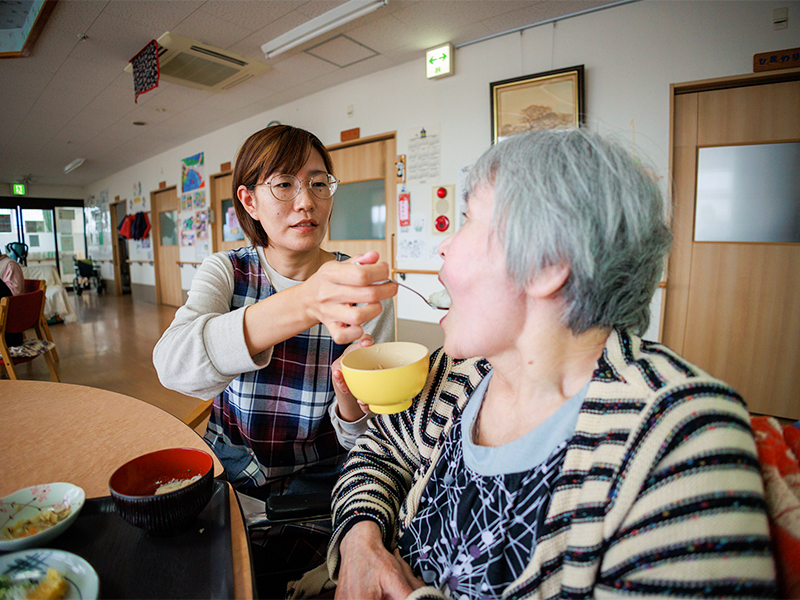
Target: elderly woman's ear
548,281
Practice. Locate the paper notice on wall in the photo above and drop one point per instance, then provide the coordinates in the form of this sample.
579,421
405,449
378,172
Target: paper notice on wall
424,156
411,249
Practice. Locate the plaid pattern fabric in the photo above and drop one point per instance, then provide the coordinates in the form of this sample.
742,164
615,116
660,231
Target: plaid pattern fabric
273,422
146,70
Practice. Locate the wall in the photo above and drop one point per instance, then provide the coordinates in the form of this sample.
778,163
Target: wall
631,53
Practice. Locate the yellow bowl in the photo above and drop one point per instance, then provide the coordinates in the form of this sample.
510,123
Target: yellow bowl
386,376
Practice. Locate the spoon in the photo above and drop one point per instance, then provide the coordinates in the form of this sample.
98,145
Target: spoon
411,290
417,293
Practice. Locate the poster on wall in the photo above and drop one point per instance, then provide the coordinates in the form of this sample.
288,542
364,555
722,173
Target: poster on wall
199,199
186,202
192,173
201,224
5,223
201,250
424,157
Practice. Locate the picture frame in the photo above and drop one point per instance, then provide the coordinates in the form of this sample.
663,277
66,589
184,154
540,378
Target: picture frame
548,100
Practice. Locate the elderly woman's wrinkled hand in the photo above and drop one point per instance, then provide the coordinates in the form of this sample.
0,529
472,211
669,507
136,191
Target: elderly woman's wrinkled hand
370,572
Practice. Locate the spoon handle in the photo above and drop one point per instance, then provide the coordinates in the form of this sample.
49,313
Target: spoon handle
417,293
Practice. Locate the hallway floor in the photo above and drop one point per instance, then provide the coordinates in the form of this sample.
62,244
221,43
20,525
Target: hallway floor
110,347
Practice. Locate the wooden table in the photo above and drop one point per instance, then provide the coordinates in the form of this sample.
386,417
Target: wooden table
64,432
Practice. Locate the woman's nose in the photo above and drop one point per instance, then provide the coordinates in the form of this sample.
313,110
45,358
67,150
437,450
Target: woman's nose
304,199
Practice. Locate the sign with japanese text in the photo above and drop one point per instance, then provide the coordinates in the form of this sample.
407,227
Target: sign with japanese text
780,59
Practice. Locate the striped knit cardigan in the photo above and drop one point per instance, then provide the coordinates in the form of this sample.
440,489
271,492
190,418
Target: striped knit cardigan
660,492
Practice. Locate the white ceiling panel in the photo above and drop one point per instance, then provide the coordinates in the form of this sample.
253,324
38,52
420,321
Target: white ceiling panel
206,28
342,51
241,13
75,17
153,14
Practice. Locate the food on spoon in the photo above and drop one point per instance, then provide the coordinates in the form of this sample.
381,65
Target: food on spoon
440,299
43,520
52,586
175,484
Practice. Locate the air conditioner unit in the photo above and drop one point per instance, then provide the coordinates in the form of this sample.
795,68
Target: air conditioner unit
189,62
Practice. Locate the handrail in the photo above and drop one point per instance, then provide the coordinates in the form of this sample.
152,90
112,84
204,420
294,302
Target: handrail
149,262
403,272
188,262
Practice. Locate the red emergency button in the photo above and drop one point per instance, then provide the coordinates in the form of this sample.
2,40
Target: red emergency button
442,223
441,192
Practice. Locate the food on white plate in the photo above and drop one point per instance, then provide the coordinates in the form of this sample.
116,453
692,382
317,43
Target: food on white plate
440,299
43,520
52,586
175,484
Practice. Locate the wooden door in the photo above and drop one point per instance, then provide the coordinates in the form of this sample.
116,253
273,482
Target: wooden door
166,251
733,308
367,159
226,232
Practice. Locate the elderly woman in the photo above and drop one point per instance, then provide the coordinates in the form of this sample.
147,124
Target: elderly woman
576,459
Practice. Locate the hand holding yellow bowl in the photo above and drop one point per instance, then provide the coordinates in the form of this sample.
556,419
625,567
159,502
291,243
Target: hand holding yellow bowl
386,376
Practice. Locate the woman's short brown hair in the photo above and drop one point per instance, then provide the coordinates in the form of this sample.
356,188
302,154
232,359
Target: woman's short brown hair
275,149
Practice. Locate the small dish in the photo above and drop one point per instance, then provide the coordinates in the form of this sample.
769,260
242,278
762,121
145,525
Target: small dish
33,564
31,501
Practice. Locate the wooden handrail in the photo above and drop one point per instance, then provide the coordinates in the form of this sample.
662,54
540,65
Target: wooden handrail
149,262
404,272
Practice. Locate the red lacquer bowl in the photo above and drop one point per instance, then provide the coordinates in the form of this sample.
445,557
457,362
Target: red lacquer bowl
133,488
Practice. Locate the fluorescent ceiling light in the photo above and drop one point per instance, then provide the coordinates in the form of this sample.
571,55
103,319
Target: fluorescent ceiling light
73,165
349,11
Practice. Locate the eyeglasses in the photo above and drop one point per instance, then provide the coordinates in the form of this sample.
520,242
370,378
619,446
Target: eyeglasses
286,187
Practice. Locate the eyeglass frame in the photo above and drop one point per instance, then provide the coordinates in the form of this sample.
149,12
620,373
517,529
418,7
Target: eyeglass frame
332,182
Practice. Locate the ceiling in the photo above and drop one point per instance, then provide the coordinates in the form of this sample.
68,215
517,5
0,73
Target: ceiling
72,99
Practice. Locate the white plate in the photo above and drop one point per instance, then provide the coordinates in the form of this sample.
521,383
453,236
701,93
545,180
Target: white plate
33,564
28,502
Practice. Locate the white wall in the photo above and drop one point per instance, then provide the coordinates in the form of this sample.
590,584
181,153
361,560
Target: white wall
631,54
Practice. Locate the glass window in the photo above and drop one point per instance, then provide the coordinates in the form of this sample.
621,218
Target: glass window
359,211
168,227
231,230
8,227
71,241
39,235
748,194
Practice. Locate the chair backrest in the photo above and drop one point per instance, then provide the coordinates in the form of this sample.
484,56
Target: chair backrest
85,267
18,251
31,285
21,312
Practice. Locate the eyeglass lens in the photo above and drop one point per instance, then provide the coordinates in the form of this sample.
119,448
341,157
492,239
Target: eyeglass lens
286,187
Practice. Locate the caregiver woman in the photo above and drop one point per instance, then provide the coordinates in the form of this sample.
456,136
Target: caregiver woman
263,326
575,460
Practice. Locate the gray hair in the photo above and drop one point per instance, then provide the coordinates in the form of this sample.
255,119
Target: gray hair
578,198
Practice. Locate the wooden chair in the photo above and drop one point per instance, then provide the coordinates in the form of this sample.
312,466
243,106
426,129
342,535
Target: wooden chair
18,314
199,413
31,285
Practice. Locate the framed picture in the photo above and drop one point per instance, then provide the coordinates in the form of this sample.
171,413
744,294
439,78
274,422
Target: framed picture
550,100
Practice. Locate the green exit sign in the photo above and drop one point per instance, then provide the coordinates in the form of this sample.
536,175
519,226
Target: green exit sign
18,189
439,61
